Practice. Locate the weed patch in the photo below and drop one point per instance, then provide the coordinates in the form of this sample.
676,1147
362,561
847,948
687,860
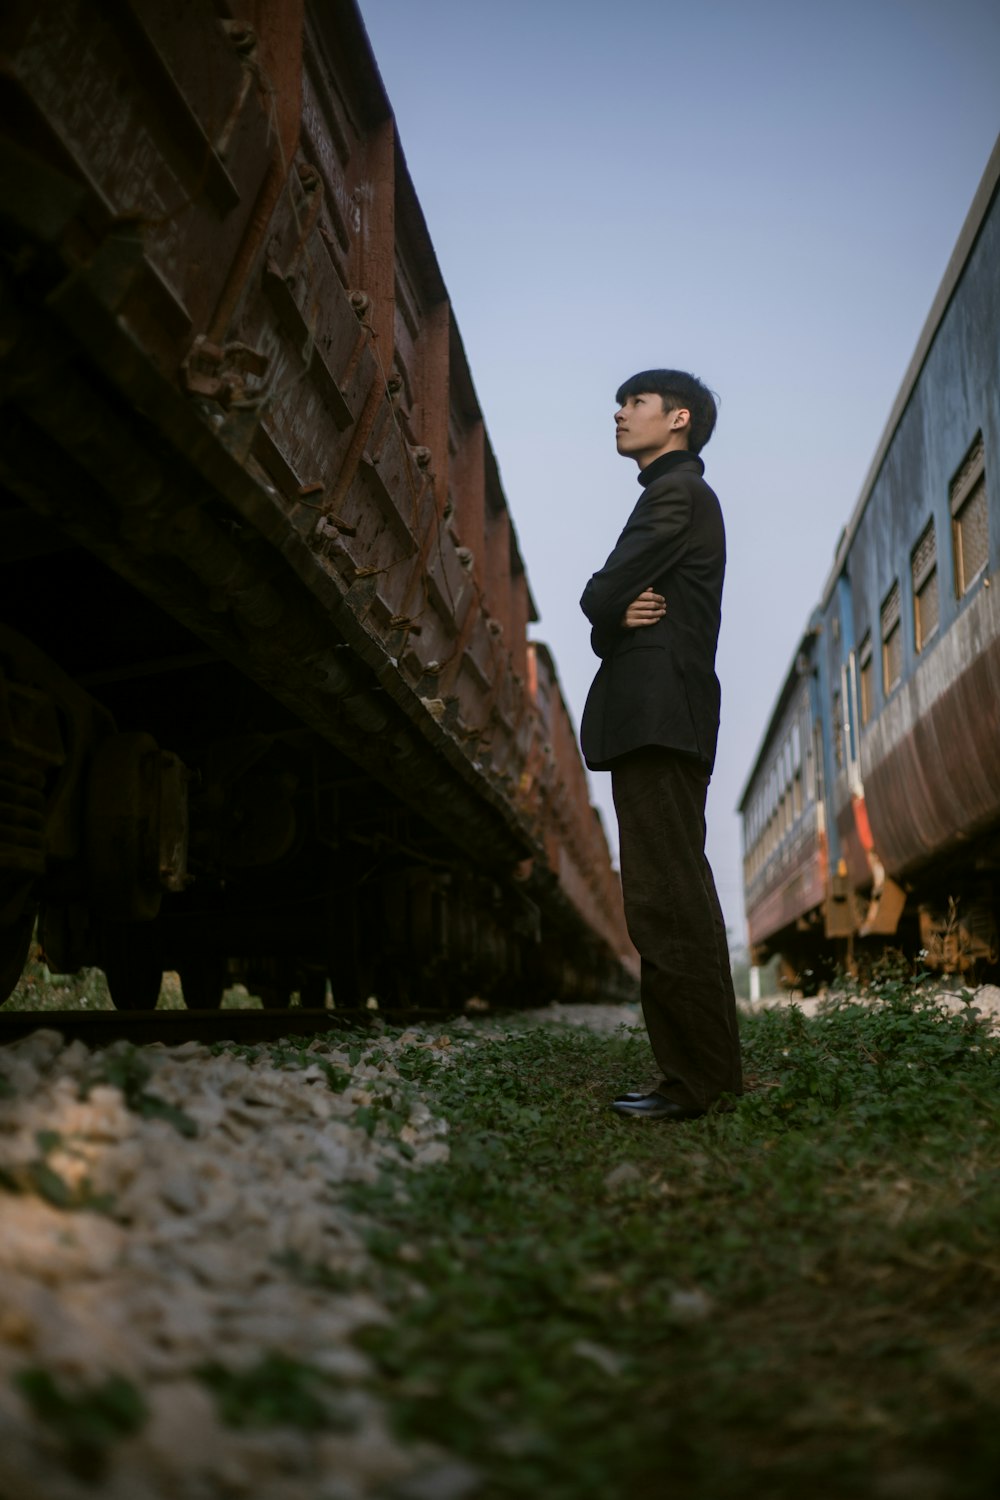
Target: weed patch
126,1069
42,1179
87,1421
796,1296
276,1391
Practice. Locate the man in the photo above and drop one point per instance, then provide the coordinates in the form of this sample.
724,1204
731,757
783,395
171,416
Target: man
652,720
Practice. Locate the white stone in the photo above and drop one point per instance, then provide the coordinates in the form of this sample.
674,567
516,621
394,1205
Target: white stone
53,1245
620,1176
689,1306
199,1264
449,1480
432,1155
181,1192
40,1049
605,1359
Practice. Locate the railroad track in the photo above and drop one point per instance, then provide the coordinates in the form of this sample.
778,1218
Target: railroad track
173,1027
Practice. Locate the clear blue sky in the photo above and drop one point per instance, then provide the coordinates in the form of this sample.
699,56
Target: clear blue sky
764,193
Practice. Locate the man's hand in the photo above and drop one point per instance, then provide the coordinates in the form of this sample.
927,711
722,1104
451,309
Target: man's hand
646,610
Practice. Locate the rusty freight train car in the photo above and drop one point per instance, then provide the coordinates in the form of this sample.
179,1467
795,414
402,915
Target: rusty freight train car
268,708
872,812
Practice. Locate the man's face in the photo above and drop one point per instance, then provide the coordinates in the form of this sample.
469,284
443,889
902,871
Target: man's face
643,430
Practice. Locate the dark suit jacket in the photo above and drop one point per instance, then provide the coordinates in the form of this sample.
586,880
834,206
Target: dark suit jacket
657,685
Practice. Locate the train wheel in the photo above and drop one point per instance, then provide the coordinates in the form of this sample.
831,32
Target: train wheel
274,996
15,941
312,989
353,976
203,982
132,965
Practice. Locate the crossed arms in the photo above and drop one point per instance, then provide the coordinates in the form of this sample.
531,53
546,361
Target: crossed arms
621,595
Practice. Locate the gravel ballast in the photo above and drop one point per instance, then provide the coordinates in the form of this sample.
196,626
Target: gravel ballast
177,1257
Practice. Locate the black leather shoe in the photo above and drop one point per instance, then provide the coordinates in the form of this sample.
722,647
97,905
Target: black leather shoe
656,1107
649,1089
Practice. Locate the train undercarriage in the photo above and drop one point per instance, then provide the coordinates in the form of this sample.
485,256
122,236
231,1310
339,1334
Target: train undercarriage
949,926
158,812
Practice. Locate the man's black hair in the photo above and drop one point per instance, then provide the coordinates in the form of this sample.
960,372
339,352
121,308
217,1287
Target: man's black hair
676,389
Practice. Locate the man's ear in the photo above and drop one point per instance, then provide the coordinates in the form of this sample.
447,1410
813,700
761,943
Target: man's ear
681,418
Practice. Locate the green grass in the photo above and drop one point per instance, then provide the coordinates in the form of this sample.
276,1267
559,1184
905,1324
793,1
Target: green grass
86,1422
798,1298
278,1391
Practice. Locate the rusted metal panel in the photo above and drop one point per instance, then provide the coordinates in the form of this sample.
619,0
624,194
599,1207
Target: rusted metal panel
554,779
182,160
801,891
467,480
932,775
853,854
784,816
792,887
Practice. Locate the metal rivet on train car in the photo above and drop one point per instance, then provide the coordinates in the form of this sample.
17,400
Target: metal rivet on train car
401,746
422,457
331,675
242,36
361,302
363,711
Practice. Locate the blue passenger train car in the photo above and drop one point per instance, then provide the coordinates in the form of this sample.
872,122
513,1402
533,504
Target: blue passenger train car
871,815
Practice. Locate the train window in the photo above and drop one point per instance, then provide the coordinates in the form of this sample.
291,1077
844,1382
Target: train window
923,565
797,801
866,680
810,774
797,791
969,527
838,730
892,640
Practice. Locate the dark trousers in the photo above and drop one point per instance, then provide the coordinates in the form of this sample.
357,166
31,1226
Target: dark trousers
676,923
